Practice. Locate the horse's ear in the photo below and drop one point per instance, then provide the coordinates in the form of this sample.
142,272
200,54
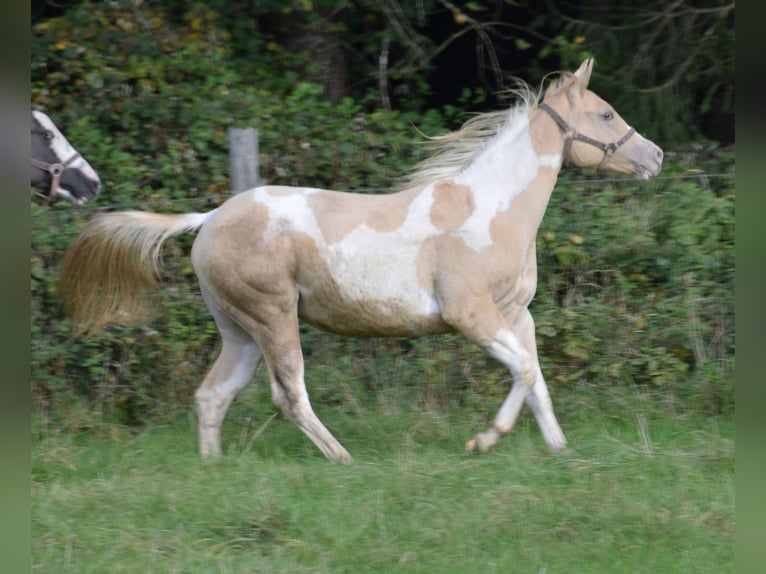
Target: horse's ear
582,75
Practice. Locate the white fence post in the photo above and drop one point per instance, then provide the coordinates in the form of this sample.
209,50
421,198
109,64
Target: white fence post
243,159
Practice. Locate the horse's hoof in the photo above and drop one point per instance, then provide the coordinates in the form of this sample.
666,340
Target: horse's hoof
341,456
479,443
483,441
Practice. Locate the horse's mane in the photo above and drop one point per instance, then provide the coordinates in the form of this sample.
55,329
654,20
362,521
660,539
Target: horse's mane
455,151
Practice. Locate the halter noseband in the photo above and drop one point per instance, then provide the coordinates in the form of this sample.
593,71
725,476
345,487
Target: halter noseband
55,169
571,134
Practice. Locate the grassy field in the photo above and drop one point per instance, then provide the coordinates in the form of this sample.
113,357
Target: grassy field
642,489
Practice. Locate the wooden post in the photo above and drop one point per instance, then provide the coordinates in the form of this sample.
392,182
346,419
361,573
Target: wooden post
243,159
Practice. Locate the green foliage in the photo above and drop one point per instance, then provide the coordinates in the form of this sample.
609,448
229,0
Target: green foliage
636,286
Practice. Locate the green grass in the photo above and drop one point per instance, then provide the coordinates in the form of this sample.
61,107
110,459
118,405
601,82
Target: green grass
642,489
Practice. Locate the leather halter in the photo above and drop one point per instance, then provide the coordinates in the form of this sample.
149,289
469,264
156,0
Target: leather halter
571,134
55,169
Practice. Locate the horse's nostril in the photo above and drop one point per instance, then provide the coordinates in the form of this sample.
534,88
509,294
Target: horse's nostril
659,155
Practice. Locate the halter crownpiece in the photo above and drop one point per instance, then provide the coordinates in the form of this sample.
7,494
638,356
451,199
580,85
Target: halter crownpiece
571,134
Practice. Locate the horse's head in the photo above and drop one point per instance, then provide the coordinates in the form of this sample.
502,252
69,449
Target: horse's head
57,168
595,134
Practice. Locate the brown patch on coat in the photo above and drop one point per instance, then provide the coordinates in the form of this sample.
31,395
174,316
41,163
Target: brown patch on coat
452,205
460,280
231,247
339,213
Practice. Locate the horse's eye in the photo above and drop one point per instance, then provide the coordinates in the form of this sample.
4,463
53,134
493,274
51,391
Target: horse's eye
608,115
48,135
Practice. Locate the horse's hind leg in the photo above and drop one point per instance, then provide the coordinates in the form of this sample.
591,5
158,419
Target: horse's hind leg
282,352
289,393
232,370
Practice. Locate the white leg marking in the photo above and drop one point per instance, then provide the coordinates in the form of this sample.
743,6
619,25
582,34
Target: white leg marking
506,348
539,401
232,371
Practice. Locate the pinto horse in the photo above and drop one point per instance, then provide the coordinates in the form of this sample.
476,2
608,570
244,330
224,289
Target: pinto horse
57,168
454,250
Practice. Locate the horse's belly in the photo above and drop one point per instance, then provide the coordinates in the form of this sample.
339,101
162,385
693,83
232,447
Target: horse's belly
378,314
368,285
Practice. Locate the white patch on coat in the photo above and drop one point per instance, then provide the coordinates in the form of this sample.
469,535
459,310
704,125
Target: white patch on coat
550,160
381,266
501,173
288,212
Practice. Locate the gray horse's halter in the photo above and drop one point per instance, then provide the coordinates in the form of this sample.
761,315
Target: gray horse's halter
55,169
571,134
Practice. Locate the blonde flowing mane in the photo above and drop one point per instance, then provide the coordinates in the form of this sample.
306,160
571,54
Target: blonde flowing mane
455,151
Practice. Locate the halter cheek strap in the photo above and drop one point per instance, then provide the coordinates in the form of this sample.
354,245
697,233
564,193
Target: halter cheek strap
571,134
55,169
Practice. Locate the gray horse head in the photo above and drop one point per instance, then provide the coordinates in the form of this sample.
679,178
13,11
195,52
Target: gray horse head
57,168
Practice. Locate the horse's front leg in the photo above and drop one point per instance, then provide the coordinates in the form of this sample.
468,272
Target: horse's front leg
506,347
539,399
480,320
513,344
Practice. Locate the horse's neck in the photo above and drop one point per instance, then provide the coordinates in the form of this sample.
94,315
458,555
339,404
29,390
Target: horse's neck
512,167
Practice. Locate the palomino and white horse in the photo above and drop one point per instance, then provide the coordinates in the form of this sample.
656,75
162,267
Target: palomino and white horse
57,168
452,251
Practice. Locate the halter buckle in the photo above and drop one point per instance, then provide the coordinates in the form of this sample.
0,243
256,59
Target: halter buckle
55,169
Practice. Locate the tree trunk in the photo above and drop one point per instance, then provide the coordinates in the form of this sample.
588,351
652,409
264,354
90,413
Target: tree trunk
314,35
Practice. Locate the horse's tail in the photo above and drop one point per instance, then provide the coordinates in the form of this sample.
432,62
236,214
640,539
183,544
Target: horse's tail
114,263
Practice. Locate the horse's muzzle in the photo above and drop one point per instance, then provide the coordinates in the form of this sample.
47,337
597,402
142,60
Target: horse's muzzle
649,162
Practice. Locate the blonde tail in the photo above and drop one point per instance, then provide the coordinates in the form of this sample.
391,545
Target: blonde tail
114,263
